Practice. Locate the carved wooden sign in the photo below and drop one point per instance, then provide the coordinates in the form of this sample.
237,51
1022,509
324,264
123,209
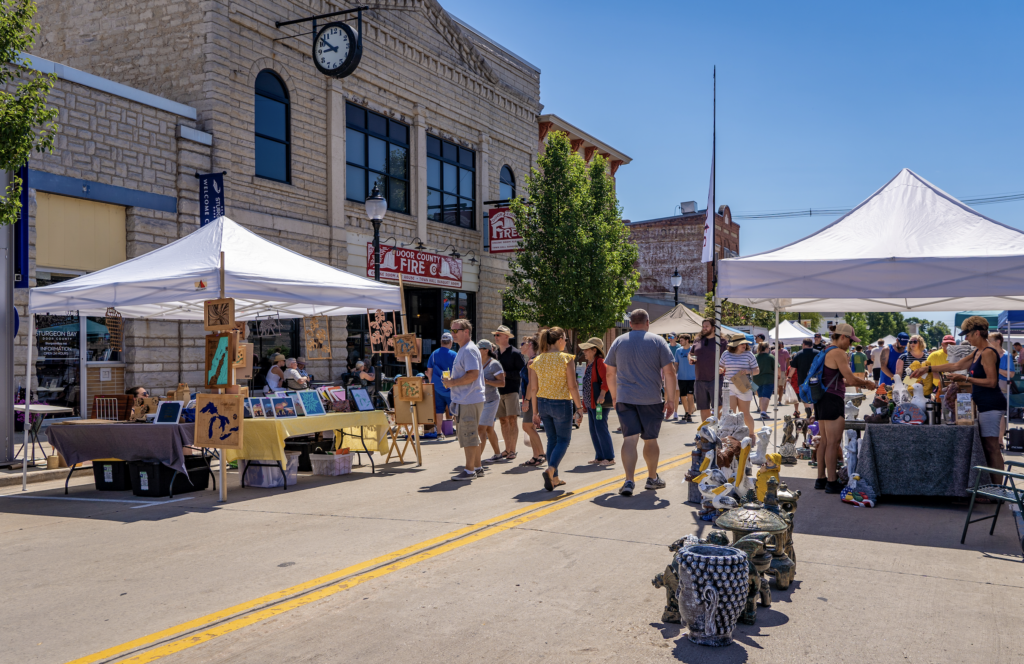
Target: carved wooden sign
144,406
219,420
382,330
221,350
115,328
318,337
409,389
405,346
243,362
219,315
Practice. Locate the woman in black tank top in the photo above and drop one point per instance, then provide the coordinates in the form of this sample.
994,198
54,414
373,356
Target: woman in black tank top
983,376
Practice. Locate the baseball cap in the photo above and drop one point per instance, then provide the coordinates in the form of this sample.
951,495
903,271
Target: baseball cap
502,329
847,330
447,336
948,339
903,338
484,343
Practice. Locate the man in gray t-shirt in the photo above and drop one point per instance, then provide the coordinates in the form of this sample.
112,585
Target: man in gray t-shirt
639,364
467,387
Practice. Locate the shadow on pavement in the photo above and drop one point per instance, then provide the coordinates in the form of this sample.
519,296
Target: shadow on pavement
646,500
589,469
691,653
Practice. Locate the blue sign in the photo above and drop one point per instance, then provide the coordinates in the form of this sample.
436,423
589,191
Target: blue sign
211,197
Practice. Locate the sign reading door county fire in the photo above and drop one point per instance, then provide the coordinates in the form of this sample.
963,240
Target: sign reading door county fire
502,231
416,267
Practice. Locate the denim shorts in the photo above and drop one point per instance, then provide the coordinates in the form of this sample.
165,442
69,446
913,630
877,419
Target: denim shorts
640,419
766,390
441,401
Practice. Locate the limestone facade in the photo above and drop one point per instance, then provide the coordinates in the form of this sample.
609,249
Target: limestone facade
420,66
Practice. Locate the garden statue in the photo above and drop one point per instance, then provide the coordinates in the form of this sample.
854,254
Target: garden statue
732,425
712,591
763,438
787,450
744,482
768,470
669,579
858,492
706,442
759,558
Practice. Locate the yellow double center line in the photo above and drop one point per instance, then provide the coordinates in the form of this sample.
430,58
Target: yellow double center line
208,627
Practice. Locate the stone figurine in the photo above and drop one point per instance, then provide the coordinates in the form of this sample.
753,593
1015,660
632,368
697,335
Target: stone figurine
768,470
787,451
712,591
759,558
669,579
763,438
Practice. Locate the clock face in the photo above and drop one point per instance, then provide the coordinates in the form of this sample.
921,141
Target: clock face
336,50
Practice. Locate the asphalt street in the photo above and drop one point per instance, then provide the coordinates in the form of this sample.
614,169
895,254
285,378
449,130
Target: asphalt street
408,565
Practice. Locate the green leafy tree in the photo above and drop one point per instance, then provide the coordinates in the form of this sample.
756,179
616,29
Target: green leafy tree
26,123
885,324
737,314
859,322
575,268
932,331
814,318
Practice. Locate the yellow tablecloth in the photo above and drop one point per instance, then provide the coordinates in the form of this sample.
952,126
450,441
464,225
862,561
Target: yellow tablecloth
263,438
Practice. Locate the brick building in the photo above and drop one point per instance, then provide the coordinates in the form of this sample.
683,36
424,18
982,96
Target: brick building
153,91
674,243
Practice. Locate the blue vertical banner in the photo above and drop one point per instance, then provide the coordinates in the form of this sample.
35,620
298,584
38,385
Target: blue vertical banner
21,233
211,197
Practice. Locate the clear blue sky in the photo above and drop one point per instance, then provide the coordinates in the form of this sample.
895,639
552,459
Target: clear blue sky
819,104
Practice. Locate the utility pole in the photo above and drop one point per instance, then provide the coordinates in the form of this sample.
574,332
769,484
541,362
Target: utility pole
7,321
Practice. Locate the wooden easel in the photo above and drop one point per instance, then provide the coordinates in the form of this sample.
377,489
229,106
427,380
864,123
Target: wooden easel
408,372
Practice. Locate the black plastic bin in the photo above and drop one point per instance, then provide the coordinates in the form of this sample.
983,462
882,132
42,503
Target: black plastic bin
152,479
111,475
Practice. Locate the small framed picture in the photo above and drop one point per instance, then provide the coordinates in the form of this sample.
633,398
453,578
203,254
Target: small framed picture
300,409
283,407
361,399
168,412
268,407
246,409
312,403
256,407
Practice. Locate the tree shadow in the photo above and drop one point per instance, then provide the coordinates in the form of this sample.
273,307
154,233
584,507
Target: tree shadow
648,500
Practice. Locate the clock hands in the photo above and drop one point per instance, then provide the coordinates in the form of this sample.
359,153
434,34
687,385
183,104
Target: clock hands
328,47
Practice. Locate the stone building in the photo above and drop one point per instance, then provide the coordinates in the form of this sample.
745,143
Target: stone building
151,92
674,243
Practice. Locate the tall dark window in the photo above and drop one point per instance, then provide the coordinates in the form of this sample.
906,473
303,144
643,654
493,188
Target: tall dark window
451,180
508,184
376,150
273,148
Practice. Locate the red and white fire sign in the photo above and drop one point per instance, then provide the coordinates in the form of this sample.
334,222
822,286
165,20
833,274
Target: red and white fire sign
416,267
502,234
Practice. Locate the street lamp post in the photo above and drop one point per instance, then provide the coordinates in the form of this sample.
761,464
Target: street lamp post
376,206
676,281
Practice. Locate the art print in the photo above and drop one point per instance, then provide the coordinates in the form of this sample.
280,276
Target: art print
284,407
361,399
268,407
256,406
312,403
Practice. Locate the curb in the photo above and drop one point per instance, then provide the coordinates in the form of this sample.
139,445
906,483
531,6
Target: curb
35,476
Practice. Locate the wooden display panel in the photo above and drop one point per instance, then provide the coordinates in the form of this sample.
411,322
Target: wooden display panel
219,315
409,389
424,409
405,346
221,349
219,419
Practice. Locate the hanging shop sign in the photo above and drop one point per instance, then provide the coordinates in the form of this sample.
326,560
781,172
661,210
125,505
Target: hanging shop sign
211,197
502,231
416,267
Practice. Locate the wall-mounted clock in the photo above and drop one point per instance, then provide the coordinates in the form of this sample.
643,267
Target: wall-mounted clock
337,50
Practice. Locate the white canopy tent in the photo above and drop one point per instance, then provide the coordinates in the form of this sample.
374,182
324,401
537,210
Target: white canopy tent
681,319
172,282
909,247
790,333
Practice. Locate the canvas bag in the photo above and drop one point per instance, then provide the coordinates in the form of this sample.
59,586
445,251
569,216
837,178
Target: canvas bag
811,390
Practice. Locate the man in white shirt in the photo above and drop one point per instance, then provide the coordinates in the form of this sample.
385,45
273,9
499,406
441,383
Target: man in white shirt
294,380
876,359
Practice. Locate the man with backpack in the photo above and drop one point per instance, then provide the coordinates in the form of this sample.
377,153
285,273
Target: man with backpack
825,386
799,365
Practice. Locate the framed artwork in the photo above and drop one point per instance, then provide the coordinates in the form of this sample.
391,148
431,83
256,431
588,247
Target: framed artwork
256,406
246,408
219,315
409,389
221,348
284,407
318,337
219,420
382,330
424,409
405,346
312,403
144,406
361,399
168,412
240,353
300,408
268,407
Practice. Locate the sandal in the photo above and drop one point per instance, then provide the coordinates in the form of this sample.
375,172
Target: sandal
535,461
594,462
548,484
511,456
606,462
555,486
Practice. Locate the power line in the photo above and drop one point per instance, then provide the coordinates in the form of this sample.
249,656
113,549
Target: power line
832,212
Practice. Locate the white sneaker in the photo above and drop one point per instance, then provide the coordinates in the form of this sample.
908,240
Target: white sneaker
464,476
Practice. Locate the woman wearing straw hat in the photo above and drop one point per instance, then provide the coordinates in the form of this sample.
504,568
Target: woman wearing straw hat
595,393
738,366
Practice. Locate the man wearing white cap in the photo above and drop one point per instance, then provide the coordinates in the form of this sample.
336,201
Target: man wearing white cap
440,361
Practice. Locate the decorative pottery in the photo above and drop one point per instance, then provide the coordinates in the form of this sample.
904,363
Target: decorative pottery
758,547
669,579
712,591
753,518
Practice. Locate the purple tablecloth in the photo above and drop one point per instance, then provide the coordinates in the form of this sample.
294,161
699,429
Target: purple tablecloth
130,442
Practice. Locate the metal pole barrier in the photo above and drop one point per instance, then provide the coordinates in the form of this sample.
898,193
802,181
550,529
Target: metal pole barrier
778,391
28,395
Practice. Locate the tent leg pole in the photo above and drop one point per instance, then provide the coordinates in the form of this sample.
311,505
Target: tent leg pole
718,351
28,399
778,393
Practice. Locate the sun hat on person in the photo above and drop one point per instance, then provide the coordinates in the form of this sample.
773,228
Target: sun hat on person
737,340
846,330
277,358
948,339
502,329
593,342
300,360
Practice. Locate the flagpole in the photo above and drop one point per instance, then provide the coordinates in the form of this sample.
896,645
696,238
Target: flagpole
714,249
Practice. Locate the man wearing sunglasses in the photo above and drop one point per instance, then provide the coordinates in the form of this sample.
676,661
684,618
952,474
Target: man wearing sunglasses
467,387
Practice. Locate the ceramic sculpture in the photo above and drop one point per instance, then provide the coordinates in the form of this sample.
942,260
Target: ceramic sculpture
754,518
918,398
783,566
764,435
858,492
744,480
851,412
669,579
759,558
707,442
851,443
711,592
768,470
732,425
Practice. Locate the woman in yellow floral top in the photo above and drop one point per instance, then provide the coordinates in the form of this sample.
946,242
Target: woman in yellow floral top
553,393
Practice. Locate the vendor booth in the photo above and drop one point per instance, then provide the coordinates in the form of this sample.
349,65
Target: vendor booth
909,247
790,333
221,259
681,319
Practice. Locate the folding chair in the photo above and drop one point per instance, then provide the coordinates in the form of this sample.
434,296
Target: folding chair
1007,490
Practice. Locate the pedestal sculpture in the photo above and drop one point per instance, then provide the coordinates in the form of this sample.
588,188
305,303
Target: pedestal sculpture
783,566
669,579
787,450
712,592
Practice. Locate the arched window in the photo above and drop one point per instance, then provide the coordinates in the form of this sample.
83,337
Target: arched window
508,184
273,149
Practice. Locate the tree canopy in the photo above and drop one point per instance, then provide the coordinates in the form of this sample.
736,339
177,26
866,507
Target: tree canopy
576,266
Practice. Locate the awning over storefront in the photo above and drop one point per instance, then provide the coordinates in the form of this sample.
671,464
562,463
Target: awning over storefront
909,247
171,283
